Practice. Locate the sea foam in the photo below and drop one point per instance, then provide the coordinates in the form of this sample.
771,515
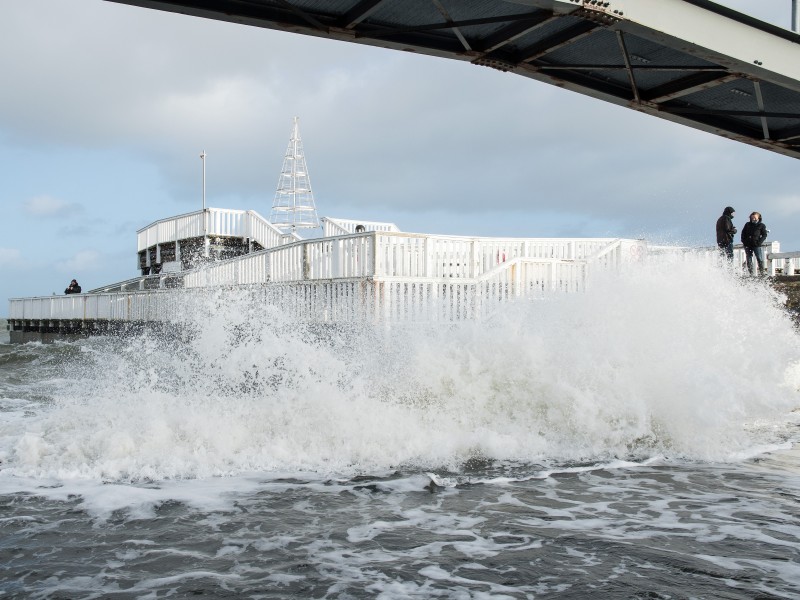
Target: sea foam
682,360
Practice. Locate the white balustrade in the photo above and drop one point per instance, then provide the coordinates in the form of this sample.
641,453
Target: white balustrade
333,227
378,275
212,222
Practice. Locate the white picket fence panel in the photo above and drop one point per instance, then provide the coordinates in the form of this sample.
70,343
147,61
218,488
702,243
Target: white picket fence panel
211,222
389,276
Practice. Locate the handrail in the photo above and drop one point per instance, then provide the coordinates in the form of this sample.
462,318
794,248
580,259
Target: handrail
140,281
603,251
168,219
393,255
348,226
331,227
211,221
120,284
713,253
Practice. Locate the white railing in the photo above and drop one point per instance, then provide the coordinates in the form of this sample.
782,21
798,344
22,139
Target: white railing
398,273
292,236
155,305
404,255
168,230
211,222
776,262
262,231
333,227
416,255
144,282
325,258
784,263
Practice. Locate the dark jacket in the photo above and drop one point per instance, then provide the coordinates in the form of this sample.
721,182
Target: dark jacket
73,289
754,234
725,228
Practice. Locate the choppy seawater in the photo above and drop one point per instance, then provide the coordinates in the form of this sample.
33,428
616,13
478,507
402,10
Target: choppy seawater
636,441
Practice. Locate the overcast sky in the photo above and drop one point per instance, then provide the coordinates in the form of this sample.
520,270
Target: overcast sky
105,109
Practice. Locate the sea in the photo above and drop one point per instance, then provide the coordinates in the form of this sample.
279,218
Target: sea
638,440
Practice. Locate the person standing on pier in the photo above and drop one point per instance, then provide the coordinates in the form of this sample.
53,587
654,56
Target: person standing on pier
726,232
73,288
754,233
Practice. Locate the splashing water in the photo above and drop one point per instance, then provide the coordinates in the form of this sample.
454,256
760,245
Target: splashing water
681,360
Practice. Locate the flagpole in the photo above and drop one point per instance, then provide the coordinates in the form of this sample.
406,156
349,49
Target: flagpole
205,214
203,158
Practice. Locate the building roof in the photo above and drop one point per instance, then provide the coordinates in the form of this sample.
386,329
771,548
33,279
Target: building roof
689,61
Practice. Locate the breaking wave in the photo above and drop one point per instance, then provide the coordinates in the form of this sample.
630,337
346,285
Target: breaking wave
682,361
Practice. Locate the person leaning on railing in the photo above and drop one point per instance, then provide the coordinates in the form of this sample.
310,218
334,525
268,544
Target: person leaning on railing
754,233
73,288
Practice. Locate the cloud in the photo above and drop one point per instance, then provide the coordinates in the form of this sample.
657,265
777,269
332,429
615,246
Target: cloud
787,205
81,262
50,207
11,258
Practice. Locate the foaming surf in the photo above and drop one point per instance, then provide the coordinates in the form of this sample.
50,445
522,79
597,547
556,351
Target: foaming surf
669,361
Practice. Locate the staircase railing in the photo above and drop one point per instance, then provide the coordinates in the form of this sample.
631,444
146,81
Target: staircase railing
211,222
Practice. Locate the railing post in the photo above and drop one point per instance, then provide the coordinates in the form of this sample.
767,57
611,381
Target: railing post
375,262
776,248
306,264
426,265
336,258
473,269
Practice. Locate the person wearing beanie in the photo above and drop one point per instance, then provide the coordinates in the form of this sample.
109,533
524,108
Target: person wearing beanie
726,232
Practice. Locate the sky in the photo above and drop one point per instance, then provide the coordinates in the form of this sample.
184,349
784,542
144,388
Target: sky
105,109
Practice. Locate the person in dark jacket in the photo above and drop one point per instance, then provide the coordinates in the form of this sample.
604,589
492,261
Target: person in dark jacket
754,233
726,232
73,288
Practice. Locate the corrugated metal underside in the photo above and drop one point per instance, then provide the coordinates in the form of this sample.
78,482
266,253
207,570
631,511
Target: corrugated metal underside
586,46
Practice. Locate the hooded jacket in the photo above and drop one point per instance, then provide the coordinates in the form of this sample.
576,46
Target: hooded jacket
754,234
725,229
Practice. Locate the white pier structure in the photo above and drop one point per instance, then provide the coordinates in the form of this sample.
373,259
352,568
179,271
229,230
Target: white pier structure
359,271
179,243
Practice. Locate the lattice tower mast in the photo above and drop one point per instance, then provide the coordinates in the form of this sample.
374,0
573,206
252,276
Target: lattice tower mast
293,206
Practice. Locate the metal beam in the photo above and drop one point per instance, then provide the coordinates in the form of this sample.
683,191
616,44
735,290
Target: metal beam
604,88
626,58
389,31
657,68
359,12
515,31
687,85
691,110
440,7
557,40
788,134
760,102
304,15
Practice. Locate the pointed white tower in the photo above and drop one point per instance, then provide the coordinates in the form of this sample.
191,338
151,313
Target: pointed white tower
293,206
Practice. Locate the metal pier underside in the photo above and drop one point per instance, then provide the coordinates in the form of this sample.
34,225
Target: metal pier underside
689,61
